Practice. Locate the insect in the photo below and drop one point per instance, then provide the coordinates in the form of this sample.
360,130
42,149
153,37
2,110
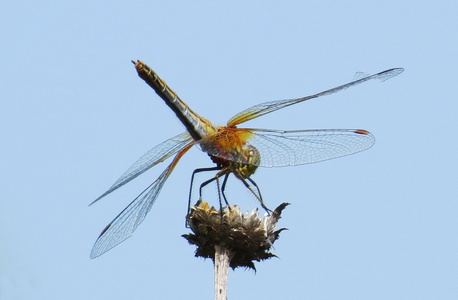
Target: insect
238,151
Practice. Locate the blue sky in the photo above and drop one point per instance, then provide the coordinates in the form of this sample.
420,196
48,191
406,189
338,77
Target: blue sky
74,116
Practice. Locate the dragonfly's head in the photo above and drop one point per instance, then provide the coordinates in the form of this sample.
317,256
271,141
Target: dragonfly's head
251,161
251,155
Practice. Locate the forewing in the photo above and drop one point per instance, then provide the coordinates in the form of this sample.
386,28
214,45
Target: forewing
268,107
290,148
151,158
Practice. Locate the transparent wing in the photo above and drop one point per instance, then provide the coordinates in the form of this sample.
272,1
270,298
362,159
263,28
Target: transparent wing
151,158
124,225
290,148
268,107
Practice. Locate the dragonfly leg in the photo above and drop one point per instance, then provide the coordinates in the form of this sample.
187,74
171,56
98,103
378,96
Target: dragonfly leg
258,194
205,183
223,188
219,197
200,189
220,189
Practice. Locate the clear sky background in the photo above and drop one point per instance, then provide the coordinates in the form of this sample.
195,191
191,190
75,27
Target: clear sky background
381,224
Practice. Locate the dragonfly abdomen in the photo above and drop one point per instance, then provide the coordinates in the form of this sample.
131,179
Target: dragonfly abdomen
197,126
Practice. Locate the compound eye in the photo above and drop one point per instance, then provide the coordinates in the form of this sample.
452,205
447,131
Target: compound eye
253,157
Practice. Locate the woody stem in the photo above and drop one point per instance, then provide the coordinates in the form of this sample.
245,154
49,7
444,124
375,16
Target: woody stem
222,257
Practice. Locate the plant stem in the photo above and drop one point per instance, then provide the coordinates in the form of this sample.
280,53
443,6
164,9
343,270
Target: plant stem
222,257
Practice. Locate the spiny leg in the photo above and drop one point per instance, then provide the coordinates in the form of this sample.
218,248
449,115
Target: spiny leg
223,188
200,190
218,186
192,181
258,195
219,197
222,171
205,183
219,190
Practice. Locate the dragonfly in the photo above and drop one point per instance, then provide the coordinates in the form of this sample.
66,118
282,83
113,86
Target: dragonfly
237,151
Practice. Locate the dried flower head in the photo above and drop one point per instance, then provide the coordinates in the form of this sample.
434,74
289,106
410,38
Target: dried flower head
247,237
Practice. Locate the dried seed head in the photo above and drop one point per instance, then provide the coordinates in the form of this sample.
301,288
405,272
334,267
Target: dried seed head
246,236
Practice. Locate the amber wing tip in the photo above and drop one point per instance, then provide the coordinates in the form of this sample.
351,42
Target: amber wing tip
362,131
